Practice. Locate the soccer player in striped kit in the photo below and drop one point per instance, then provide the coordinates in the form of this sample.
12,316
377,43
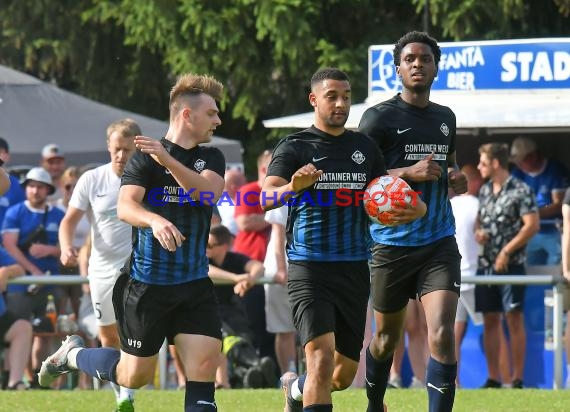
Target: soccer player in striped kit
420,259
320,173
167,193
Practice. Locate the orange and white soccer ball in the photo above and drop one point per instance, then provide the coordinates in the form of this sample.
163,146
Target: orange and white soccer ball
384,194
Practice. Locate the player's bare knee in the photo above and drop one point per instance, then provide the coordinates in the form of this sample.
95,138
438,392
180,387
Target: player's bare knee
384,344
136,379
341,382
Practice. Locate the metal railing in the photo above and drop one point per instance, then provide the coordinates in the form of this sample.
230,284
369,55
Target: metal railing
538,275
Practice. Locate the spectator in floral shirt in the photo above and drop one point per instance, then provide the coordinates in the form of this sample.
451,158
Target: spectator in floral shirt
508,218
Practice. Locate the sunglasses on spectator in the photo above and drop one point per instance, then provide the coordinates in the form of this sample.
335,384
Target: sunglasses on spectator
68,186
213,245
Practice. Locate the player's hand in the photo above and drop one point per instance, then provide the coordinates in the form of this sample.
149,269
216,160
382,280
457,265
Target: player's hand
166,233
280,277
69,256
481,236
241,287
408,212
501,262
3,281
458,181
152,147
40,250
424,170
305,177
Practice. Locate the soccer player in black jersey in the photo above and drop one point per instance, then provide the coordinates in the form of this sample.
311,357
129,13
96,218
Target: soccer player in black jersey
167,192
321,173
419,259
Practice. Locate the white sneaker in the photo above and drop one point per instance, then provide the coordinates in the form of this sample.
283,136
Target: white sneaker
416,384
395,382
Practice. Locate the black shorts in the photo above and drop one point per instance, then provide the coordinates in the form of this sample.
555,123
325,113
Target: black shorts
146,314
330,297
401,273
6,322
500,298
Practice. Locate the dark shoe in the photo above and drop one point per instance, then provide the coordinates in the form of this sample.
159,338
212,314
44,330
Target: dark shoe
253,378
517,384
492,384
291,405
268,368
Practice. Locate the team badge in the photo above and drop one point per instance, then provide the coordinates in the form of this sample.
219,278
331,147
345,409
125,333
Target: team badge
444,129
199,165
358,157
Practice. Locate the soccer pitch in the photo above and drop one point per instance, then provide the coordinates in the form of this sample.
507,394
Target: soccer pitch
264,400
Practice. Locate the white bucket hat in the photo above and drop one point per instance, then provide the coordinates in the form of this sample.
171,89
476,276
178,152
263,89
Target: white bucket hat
39,174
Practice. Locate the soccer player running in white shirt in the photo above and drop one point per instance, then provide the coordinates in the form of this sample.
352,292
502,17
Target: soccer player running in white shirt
96,195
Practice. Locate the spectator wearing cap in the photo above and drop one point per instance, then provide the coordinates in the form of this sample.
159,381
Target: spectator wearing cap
549,180
30,236
53,160
14,194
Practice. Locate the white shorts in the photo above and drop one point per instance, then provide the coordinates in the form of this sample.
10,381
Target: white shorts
87,322
466,307
102,298
278,315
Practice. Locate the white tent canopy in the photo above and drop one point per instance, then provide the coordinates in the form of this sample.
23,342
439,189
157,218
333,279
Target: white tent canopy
34,113
514,111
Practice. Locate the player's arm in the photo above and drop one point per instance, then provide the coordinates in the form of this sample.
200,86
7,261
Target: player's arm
216,273
131,211
207,182
255,270
555,208
457,180
425,170
277,191
10,242
531,225
10,272
4,181
408,212
67,227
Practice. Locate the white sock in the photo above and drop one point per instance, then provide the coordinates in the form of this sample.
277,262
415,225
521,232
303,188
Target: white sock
126,393
116,389
72,358
295,391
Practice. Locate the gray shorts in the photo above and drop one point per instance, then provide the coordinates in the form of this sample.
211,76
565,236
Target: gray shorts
278,310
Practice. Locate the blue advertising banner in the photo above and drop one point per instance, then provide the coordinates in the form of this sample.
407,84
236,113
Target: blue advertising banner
484,65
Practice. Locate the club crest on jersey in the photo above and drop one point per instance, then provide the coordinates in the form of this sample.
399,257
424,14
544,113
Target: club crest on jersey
444,129
199,165
358,157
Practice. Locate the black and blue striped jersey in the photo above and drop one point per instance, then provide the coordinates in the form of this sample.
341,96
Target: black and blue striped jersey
406,134
327,221
151,263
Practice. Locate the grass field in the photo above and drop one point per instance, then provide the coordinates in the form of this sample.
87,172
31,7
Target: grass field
264,400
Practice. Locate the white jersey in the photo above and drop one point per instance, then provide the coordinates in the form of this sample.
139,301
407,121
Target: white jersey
465,208
274,216
96,193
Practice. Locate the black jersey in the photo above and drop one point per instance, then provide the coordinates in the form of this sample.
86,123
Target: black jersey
152,263
327,221
406,134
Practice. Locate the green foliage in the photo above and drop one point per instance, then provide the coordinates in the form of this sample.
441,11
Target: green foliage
128,53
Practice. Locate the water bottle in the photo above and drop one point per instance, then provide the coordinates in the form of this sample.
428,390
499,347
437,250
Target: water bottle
51,311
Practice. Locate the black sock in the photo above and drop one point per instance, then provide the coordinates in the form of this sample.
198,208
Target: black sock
99,362
199,397
440,382
318,408
377,374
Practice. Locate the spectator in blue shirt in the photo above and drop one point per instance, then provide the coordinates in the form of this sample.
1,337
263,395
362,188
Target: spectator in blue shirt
549,180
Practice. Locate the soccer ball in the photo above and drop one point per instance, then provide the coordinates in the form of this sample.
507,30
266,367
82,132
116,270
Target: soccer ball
384,194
